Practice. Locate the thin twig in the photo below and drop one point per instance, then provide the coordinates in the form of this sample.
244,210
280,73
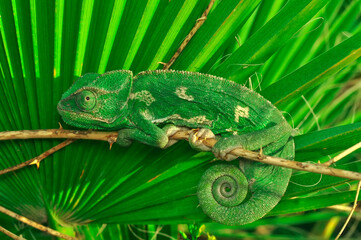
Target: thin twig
198,24
340,208
156,233
35,224
352,210
134,234
39,158
10,234
343,154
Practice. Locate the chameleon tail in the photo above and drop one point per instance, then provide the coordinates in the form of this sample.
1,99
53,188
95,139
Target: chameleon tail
237,196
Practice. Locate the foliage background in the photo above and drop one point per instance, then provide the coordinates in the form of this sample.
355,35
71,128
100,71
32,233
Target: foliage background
300,54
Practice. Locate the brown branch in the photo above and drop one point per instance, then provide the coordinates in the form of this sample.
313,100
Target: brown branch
39,158
198,24
10,234
35,224
72,135
183,135
110,137
302,166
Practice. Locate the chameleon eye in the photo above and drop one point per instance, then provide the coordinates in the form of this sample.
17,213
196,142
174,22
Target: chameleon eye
86,100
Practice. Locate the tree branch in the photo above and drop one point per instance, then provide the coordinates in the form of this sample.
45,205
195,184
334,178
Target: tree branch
343,154
255,156
35,224
10,234
351,212
110,137
190,35
39,158
183,135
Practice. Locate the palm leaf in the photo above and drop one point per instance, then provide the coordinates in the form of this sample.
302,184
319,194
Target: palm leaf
46,45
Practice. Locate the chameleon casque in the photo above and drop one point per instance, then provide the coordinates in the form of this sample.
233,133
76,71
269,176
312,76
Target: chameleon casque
153,105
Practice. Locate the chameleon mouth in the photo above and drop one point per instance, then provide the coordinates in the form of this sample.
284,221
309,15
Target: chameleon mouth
82,119
69,115
63,107
67,107
60,107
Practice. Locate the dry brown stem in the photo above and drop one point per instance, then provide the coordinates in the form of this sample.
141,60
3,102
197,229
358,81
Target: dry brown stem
302,166
39,158
110,137
183,135
10,234
351,212
198,24
343,154
35,224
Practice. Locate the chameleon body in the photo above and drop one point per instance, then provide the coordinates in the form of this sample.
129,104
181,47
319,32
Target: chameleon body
149,106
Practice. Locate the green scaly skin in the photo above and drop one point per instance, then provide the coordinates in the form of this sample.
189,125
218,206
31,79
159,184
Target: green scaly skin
140,106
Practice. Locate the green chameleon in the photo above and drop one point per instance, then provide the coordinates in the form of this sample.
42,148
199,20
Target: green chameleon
153,105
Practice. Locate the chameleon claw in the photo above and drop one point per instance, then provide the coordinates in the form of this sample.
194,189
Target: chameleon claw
110,145
226,156
197,137
222,151
170,143
170,130
260,154
60,126
201,19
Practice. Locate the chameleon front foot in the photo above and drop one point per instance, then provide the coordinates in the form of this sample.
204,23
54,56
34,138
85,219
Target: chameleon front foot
123,138
196,139
170,130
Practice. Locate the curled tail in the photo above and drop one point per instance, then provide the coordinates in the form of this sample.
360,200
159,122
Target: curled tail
237,196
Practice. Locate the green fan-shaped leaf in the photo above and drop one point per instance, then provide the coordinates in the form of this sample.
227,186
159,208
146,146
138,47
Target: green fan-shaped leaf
46,45
320,143
309,76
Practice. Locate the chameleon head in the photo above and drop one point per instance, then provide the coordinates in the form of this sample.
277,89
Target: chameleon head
97,101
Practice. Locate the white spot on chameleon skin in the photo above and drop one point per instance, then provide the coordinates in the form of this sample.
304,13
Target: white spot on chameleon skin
241,112
181,93
143,96
197,119
147,115
234,132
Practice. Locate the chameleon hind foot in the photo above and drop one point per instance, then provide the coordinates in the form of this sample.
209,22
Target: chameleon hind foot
223,148
196,139
170,130
224,155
